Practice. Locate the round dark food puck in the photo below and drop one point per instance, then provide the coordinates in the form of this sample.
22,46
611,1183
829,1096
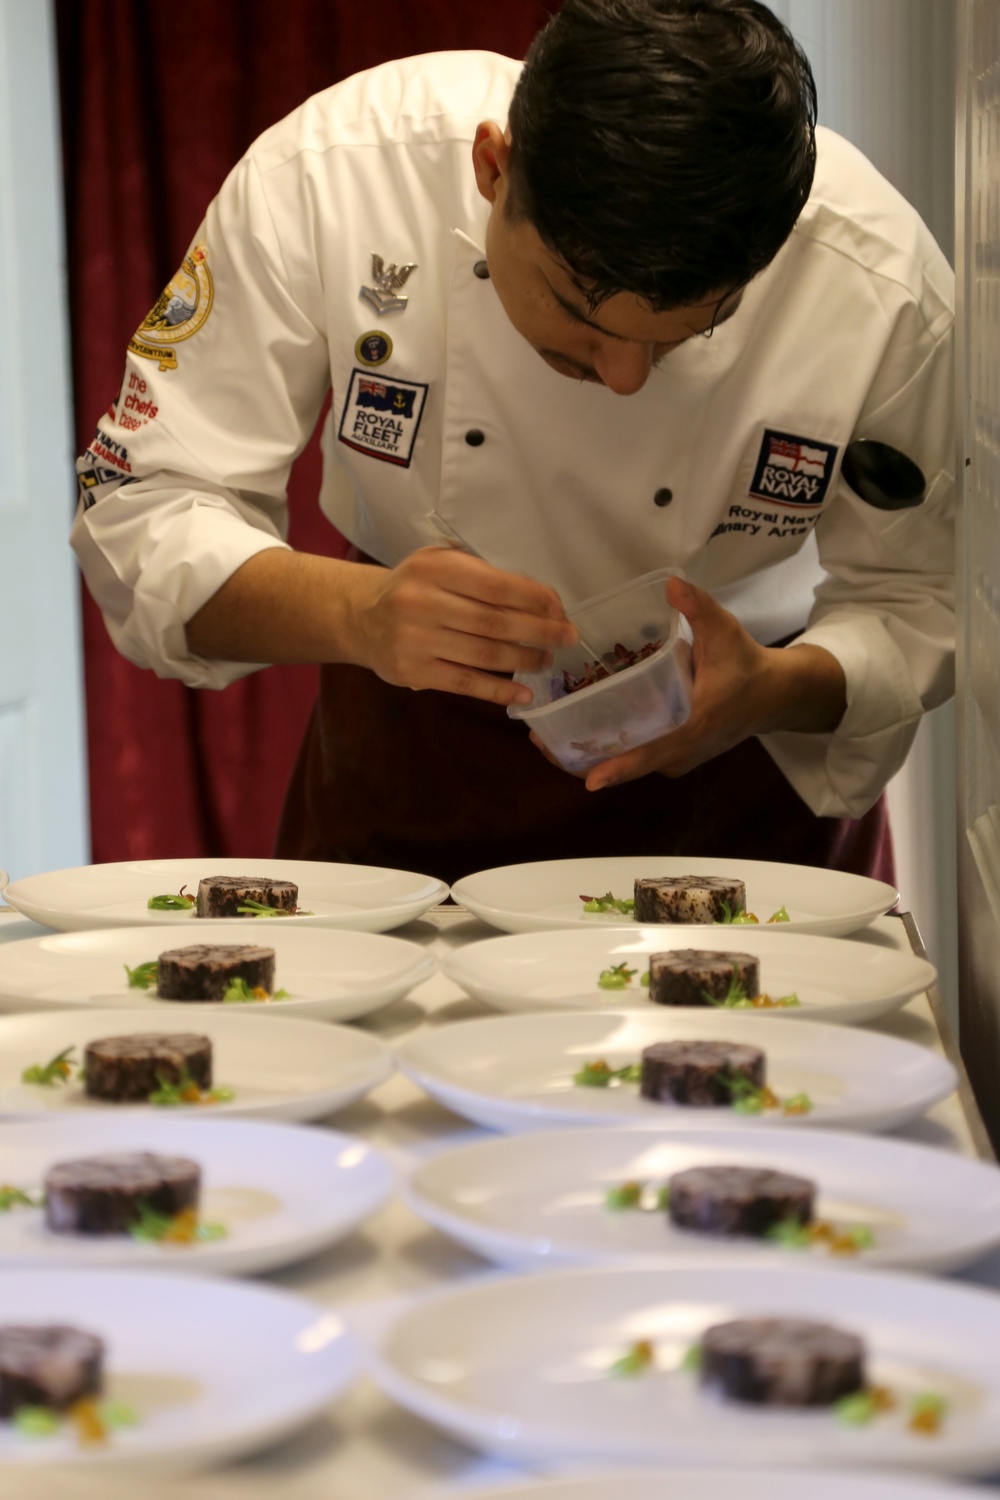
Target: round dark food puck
688,898
123,1068
698,1073
697,976
105,1194
223,895
202,971
738,1200
782,1361
50,1366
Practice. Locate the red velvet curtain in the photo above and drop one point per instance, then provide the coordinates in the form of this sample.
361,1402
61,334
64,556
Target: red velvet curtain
158,103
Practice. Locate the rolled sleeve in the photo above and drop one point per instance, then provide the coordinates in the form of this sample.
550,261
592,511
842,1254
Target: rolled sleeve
886,611
199,486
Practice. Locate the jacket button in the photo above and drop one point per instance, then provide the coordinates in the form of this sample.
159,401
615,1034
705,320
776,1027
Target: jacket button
475,438
482,270
663,497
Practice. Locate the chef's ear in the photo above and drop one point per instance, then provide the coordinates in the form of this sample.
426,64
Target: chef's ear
490,158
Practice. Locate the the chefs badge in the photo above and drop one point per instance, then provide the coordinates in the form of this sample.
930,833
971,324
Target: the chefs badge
179,311
792,471
381,416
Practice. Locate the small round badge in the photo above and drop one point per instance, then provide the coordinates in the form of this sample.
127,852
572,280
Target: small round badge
373,348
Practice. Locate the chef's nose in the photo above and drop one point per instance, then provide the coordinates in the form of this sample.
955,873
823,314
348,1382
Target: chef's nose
623,366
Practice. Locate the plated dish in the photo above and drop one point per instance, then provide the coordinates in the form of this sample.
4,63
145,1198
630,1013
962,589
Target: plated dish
530,1367
327,974
547,894
589,1197
564,970
268,1195
364,898
306,1071
185,1358
518,1073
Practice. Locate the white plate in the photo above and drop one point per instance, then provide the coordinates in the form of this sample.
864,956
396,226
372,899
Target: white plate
214,1369
519,1366
527,1201
282,1193
330,975
362,897
728,1484
300,1070
515,1073
835,981
533,897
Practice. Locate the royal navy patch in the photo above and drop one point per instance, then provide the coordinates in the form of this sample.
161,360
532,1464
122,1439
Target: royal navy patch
793,471
382,417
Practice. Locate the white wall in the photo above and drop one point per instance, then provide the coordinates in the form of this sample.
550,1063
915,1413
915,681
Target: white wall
885,76
43,813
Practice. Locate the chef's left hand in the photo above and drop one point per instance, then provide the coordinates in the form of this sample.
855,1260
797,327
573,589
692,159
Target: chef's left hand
740,689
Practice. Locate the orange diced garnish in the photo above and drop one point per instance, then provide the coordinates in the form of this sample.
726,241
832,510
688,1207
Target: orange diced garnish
927,1421
86,1418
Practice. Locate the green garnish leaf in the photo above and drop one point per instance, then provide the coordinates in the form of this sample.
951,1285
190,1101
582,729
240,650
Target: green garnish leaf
238,990
617,977
35,1421
260,909
143,976
691,1363
734,915
180,902
59,1070
735,996
862,1236
780,915
790,1233
797,1104
623,1195
644,981
598,1075
186,1091
638,1358
182,1228
856,1410
663,1197
12,1197
625,905
788,1001
118,1414
928,1403
595,1075
150,1225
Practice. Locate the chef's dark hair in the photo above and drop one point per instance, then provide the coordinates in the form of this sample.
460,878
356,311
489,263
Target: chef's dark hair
663,147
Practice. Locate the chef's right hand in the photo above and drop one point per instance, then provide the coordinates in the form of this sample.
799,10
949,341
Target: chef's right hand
443,619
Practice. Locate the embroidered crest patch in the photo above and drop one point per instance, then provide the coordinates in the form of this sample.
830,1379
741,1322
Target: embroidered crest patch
381,417
179,311
793,471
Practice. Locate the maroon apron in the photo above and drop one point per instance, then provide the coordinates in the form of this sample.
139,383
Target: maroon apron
447,786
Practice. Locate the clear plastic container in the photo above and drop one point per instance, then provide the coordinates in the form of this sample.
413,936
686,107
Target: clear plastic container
635,704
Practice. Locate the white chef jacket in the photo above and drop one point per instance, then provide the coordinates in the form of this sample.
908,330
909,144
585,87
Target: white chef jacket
845,335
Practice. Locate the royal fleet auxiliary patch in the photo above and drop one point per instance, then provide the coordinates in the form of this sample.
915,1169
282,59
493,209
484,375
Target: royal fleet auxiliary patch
180,310
381,416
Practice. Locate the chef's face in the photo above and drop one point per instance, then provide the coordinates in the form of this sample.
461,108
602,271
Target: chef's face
619,343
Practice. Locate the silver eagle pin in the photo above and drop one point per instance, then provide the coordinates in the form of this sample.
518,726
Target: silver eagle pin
384,295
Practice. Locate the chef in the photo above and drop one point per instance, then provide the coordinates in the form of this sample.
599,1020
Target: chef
620,309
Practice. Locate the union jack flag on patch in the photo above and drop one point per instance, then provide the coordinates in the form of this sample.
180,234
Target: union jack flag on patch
794,471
